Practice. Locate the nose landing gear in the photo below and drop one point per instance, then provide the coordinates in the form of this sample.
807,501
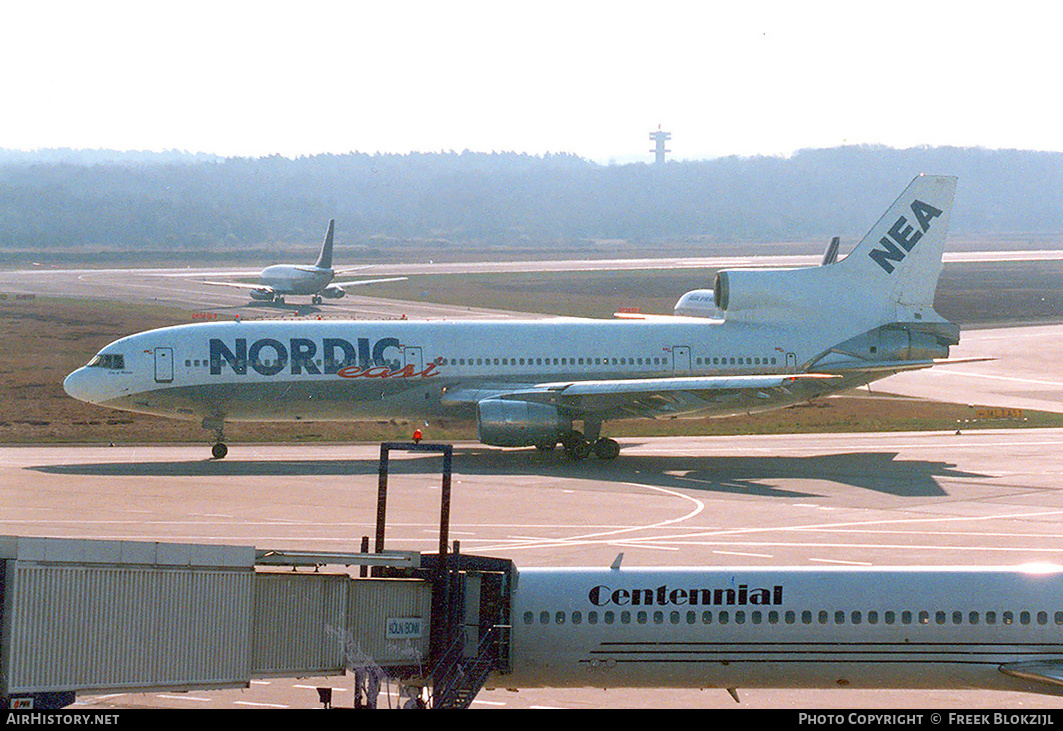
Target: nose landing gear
216,424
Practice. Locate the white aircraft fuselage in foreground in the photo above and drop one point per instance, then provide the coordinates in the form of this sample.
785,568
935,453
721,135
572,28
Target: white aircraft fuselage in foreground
925,628
770,338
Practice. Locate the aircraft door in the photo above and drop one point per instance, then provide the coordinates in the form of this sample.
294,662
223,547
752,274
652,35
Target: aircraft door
680,357
791,363
163,365
413,358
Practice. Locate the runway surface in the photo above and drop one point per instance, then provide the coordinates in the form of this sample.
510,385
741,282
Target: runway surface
985,497
186,288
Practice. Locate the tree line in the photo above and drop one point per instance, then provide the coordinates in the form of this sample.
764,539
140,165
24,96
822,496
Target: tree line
66,201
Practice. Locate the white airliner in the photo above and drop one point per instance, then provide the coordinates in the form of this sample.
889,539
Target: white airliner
277,281
901,627
766,339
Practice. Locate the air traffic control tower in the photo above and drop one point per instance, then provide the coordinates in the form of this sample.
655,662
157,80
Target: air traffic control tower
659,138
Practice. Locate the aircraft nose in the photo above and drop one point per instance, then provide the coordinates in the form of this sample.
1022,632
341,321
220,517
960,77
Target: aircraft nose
81,385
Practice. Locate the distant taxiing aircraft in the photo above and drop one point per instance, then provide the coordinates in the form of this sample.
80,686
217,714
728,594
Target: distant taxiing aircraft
767,338
992,628
277,281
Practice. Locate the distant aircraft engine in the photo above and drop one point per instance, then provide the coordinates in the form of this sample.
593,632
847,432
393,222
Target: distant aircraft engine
698,303
333,293
262,294
503,423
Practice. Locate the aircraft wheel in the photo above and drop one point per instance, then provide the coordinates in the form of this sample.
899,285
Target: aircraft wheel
219,450
575,445
546,446
606,449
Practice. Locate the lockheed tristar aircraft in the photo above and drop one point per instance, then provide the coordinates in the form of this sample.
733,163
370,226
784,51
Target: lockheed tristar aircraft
768,338
279,280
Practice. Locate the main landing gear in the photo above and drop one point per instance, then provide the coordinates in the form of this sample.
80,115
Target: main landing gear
578,447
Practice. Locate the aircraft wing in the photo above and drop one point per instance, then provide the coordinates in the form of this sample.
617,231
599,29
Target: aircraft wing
648,397
242,285
893,365
367,281
1039,671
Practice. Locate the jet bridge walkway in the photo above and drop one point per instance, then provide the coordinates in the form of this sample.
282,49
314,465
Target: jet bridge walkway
94,616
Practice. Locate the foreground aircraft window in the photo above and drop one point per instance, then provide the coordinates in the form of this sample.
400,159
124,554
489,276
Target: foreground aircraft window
1007,618
757,617
824,617
773,617
854,618
939,617
706,617
990,617
559,618
692,617
790,617
625,618
609,617
1024,617
957,617
722,617
839,617
188,363
658,617
973,618
544,617
806,617
108,361
872,617
592,617
1059,617
577,618
529,617
1042,618
924,617
890,617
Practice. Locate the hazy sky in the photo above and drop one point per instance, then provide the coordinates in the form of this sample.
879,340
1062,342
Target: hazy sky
592,78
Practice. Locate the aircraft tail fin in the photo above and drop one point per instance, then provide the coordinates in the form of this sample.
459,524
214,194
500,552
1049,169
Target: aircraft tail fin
324,260
890,276
902,252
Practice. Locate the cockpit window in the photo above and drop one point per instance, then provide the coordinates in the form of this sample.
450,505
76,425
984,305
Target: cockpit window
110,361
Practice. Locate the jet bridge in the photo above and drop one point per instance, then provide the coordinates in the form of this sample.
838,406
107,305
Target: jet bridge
95,616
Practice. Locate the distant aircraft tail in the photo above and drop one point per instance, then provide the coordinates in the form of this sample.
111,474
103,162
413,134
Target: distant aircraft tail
324,260
890,276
